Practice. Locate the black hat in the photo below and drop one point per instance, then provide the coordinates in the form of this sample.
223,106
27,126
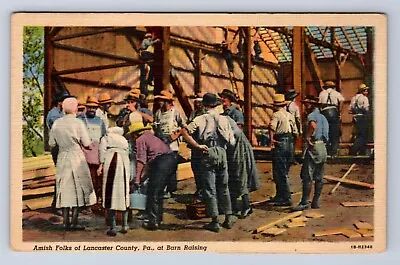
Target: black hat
210,99
60,96
311,99
228,94
291,94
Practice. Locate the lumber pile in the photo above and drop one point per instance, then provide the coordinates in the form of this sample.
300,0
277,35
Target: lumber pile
38,182
295,219
362,229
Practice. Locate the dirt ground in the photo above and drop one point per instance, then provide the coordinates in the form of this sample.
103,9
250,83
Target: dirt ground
42,225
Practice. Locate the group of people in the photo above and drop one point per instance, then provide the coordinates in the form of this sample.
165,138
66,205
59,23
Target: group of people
321,137
97,163
104,164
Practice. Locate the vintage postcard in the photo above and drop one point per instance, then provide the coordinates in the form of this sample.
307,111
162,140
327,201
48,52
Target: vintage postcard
229,133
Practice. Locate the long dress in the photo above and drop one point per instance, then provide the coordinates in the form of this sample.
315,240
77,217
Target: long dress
114,154
243,174
74,187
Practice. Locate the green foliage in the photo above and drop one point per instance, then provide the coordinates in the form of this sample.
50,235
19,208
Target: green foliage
32,95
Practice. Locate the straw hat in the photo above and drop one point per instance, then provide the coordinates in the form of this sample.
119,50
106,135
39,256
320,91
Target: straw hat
311,100
165,94
226,93
291,94
137,127
105,98
91,102
279,100
329,84
133,94
362,88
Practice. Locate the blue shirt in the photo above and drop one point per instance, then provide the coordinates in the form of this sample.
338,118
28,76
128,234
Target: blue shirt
53,115
235,114
322,130
95,126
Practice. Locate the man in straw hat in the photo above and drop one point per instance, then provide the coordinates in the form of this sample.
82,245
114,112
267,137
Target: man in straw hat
105,102
73,180
155,162
97,129
214,133
294,109
332,104
228,97
359,106
282,129
316,135
168,122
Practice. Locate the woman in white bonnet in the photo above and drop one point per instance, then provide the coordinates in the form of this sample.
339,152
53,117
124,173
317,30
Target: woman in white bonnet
74,186
114,161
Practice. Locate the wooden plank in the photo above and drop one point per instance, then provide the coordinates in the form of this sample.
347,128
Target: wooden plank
40,203
336,231
39,191
295,224
314,215
350,233
277,222
266,200
273,231
247,87
365,232
47,183
39,173
353,182
357,204
299,219
363,225
342,178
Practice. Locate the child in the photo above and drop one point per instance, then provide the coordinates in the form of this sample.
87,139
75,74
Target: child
114,159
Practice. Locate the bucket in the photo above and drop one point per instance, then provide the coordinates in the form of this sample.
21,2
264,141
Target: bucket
138,200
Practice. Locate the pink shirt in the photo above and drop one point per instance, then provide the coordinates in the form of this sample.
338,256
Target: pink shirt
149,147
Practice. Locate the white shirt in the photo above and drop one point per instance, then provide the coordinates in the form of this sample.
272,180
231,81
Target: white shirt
335,97
207,126
359,104
103,115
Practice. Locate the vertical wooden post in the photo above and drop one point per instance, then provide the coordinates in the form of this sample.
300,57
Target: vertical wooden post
369,79
48,84
197,71
247,84
161,64
299,76
336,57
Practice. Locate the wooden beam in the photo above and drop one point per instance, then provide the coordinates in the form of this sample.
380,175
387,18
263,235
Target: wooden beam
313,67
93,68
181,95
336,58
213,48
348,181
357,204
96,53
197,71
247,86
342,178
161,64
93,83
48,87
86,33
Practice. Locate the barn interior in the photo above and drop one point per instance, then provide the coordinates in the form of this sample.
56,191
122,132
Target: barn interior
189,61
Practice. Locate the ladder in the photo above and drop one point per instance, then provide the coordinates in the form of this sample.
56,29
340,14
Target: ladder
234,84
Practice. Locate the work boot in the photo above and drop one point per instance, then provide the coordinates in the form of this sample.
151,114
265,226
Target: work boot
151,226
317,194
111,232
213,226
247,210
228,222
66,222
125,226
75,225
304,204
